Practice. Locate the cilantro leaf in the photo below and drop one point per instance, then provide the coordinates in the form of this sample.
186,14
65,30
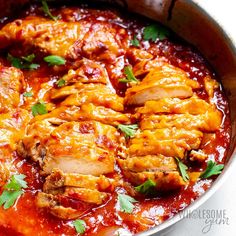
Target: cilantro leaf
135,41
39,109
8,198
23,62
79,226
12,190
147,187
54,60
16,182
47,11
27,94
128,130
212,169
183,170
126,203
154,32
129,75
61,83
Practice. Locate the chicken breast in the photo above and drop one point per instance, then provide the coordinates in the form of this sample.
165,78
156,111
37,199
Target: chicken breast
11,85
164,82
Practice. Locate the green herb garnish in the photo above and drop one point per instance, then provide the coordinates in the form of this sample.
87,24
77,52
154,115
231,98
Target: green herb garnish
28,94
128,130
12,190
129,75
39,109
23,62
79,226
212,169
135,41
61,83
147,187
154,32
126,203
47,11
183,170
54,60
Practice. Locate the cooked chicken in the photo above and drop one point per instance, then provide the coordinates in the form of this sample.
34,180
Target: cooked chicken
87,112
12,127
193,105
210,86
165,180
67,39
74,187
197,155
73,147
164,82
11,84
168,142
87,72
208,122
98,94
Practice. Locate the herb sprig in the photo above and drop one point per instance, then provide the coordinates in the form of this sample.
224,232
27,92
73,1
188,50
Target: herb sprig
126,203
53,60
212,169
128,130
129,75
154,32
79,226
47,11
39,108
147,187
183,170
12,190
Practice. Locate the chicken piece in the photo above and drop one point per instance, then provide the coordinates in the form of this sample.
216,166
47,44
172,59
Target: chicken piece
208,122
87,112
58,206
210,85
11,85
164,82
67,39
165,180
57,179
12,127
73,147
98,94
87,72
192,138
193,105
148,163
199,156
52,37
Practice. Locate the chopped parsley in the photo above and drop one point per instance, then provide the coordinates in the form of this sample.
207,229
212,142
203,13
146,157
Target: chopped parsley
12,190
61,83
147,187
23,62
79,226
128,130
54,60
154,32
135,41
47,11
27,94
126,203
129,75
183,170
212,169
39,109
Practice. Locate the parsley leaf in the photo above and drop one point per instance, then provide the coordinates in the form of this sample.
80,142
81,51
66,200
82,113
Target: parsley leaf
128,130
28,94
129,75
12,190
54,60
61,83
79,226
182,169
147,187
39,109
154,32
135,41
47,11
23,62
126,203
212,169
